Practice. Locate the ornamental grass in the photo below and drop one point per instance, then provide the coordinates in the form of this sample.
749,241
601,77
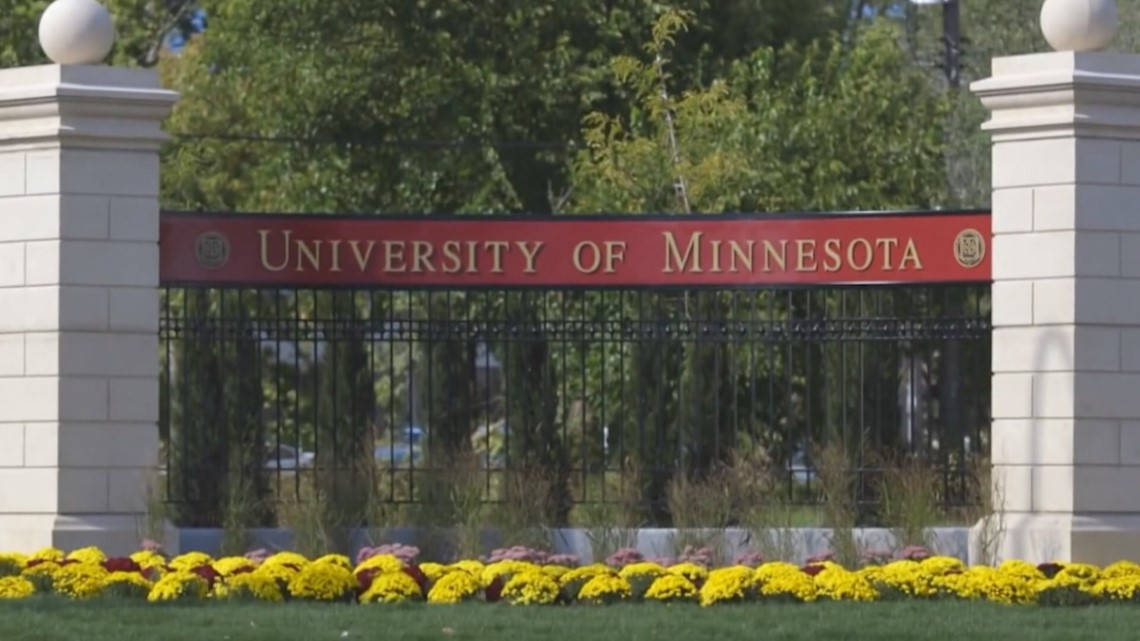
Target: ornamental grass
384,578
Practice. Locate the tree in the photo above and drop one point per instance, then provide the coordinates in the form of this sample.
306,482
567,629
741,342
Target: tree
813,127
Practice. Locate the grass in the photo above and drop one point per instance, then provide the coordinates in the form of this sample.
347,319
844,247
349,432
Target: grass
52,619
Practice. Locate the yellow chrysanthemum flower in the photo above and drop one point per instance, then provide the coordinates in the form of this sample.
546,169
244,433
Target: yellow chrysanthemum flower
249,586
467,565
641,569
12,564
287,558
280,572
838,584
190,560
671,587
1119,587
433,570
605,588
555,571
694,572
907,578
127,585
41,574
323,582
230,564
798,586
768,570
735,583
584,573
91,555
335,559
532,587
382,563
47,554
940,565
178,585
16,587
148,559
392,587
79,580
453,587
1120,569
1021,569
505,568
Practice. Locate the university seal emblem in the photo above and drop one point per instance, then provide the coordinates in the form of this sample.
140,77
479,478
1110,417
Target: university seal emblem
969,248
212,250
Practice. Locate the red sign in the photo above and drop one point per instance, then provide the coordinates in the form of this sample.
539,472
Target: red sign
303,250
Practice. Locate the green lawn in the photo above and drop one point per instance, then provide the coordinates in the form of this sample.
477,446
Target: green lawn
57,620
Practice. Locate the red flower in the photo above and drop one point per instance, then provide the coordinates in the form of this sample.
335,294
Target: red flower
812,569
494,591
208,573
1050,570
121,564
365,577
416,573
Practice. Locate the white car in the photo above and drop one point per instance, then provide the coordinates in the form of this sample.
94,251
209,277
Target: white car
287,457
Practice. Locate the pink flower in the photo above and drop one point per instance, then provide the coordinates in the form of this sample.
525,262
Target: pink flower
752,559
623,557
915,553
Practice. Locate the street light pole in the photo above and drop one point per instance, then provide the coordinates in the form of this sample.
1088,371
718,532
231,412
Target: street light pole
952,37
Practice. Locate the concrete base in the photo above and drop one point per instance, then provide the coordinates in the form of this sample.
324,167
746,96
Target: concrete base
800,543
117,535
1041,538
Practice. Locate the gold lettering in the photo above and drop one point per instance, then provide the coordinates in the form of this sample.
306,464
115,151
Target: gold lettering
451,253
393,254
264,234
496,247
312,254
805,254
886,245
421,256
530,253
615,253
910,253
362,259
577,257
715,256
868,254
739,253
770,254
692,250
472,257
831,251
334,245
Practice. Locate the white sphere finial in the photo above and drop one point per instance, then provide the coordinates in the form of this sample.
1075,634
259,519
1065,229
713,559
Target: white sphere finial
76,32
1079,25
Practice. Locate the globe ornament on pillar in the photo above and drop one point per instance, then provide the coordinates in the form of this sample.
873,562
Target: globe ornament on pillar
76,32
1079,25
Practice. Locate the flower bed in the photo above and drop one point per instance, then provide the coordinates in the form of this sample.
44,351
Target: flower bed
381,578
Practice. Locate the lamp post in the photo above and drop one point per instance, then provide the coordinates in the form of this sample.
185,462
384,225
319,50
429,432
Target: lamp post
951,39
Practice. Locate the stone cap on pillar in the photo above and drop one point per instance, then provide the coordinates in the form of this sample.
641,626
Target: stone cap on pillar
1062,94
82,106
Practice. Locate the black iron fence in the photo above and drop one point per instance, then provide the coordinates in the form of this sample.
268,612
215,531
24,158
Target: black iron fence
607,395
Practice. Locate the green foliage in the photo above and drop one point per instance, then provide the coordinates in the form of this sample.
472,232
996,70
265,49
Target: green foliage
815,127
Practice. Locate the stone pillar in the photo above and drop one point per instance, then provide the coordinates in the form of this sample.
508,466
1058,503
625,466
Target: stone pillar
1066,303
78,303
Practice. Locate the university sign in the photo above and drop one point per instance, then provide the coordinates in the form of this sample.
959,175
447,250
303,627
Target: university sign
596,251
